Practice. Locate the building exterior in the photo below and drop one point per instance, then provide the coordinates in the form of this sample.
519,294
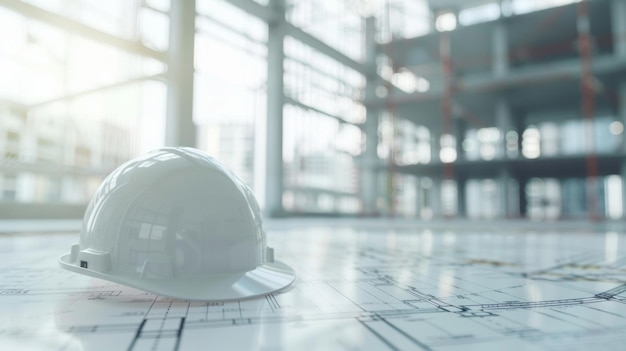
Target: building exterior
233,144
414,108
53,159
532,103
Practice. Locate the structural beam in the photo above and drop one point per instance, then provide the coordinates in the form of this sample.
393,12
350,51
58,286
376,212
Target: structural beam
504,193
179,127
504,123
322,47
269,15
369,160
461,198
294,102
500,64
544,167
520,77
75,27
264,13
159,76
588,107
49,213
49,169
622,118
434,195
460,128
618,20
447,74
274,183
623,174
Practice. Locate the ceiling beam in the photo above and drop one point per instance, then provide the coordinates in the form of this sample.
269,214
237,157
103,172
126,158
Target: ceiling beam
75,27
324,48
158,76
269,15
264,13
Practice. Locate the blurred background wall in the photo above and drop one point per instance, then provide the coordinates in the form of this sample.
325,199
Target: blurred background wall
475,109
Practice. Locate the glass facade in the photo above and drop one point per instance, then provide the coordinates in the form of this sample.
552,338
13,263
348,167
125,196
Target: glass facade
76,104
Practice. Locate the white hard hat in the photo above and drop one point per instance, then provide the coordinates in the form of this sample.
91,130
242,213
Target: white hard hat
177,223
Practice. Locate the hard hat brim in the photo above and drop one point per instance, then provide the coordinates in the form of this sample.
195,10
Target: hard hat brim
265,279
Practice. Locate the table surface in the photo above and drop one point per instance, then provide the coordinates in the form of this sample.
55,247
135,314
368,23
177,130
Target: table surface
376,286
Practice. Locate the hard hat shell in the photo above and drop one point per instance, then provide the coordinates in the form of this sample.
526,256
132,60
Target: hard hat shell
177,223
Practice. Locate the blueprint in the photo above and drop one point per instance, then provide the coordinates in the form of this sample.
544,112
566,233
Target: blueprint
376,288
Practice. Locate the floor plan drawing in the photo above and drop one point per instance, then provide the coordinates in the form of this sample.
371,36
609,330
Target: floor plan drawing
356,289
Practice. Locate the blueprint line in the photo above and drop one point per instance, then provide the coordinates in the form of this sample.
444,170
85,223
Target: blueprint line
379,336
134,341
355,291
609,294
180,333
414,340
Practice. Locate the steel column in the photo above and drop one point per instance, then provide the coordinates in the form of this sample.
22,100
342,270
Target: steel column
179,127
274,182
